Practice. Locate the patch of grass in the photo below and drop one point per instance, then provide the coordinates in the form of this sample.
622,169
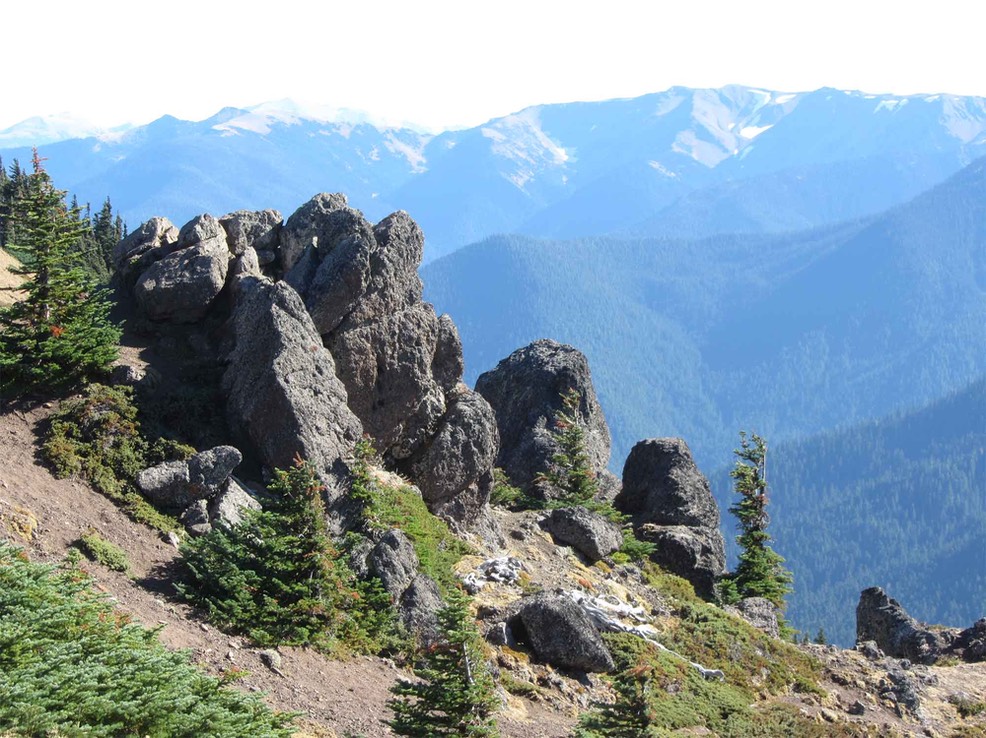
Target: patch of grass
98,549
967,706
750,659
97,437
386,507
518,687
70,666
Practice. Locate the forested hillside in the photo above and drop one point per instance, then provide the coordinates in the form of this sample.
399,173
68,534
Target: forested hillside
788,334
898,503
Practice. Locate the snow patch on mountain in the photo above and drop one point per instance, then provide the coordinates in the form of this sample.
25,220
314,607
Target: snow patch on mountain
520,140
411,147
754,131
48,129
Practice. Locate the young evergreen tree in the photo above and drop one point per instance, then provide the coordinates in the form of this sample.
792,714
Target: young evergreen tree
760,571
60,332
571,474
629,716
455,695
277,577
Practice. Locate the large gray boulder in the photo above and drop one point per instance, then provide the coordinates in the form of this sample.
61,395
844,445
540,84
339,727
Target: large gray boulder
760,613
182,285
394,561
418,609
281,388
671,505
525,391
561,633
883,619
587,532
177,484
229,507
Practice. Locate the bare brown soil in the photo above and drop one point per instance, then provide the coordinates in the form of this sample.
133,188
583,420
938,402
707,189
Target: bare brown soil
335,698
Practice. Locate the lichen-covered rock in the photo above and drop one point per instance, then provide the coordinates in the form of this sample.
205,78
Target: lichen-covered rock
394,561
760,613
460,452
181,286
587,532
196,518
561,633
281,389
671,505
256,229
525,391
229,506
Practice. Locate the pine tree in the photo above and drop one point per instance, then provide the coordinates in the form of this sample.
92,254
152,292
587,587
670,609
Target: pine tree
571,474
60,332
759,572
455,695
276,576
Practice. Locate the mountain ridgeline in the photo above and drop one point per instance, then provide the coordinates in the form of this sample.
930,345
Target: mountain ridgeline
682,163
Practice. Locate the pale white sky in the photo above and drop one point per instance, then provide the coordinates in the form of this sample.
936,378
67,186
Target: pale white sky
444,63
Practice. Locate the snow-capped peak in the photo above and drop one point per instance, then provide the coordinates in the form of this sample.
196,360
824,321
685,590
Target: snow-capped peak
47,129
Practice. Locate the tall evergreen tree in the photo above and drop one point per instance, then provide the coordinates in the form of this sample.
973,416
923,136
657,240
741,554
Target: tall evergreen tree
455,695
760,571
60,332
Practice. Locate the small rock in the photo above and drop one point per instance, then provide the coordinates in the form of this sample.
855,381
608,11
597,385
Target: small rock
856,708
271,659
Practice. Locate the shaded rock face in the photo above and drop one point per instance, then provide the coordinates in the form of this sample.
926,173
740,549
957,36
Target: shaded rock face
415,595
883,620
281,388
182,285
525,391
400,363
561,633
670,503
587,532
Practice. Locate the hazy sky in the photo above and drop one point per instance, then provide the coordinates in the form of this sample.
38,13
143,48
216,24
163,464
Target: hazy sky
444,63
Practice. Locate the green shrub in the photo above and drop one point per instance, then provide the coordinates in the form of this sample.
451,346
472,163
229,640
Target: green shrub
71,666
278,578
967,706
97,437
98,549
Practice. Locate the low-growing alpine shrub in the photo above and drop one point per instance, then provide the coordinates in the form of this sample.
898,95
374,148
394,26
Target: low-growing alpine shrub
72,666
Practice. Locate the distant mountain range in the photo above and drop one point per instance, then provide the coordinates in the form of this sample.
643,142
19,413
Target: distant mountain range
683,162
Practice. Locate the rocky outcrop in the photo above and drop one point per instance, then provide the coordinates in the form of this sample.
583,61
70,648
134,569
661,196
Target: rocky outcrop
671,505
400,363
561,634
588,533
525,391
281,389
883,620
181,286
